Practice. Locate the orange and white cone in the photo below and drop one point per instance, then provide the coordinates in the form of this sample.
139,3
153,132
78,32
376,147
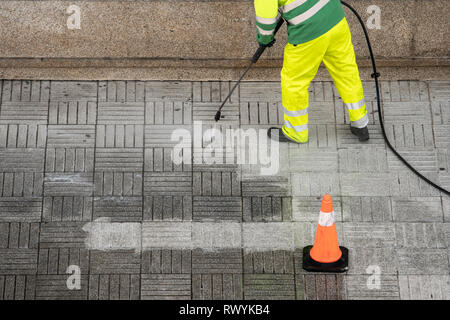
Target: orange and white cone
326,255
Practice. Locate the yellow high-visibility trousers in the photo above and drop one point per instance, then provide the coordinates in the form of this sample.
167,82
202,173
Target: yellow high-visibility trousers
300,65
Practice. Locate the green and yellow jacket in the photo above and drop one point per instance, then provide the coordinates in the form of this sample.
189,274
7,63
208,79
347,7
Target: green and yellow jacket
306,19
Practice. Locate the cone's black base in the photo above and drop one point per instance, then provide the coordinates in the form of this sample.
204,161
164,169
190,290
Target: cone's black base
336,267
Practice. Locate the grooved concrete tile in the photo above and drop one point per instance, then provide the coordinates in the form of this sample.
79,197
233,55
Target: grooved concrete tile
21,160
411,185
114,287
168,183
118,183
23,135
307,160
19,235
167,159
168,112
358,288
368,235
309,184
446,207
261,113
369,209
267,208
17,287
24,113
269,286
321,112
168,90
120,113
421,160
114,262
161,235
440,112
420,235
121,91
439,90
269,262
276,186
71,136
217,287
67,184
417,209
20,209
217,208
18,261
119,136
441,134
206,111
260,91
17,90
119,159
216,183
223,261
72,112
444,180
168,136
167,207
361,258
73,91
62,235
367,184
214,91
416,112
410,135
118,209
166,287
363,160
424,287
69,160
58,260
166,261
54,287
429,261
21,184
320,287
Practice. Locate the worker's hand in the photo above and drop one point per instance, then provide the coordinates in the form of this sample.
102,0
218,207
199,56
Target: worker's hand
267,45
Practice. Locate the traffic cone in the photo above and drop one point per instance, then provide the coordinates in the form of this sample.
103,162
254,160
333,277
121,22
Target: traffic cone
326,255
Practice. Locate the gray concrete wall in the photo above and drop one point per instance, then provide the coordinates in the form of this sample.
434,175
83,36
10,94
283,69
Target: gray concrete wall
199,40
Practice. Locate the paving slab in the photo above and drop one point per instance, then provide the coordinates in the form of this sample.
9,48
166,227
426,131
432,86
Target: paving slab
118,178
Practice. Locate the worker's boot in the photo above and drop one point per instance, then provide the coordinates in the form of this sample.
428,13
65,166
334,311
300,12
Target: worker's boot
361,133
275,133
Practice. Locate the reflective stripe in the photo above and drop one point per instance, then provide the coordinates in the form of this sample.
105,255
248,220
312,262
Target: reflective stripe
267,20
294,4
301,128
326,219
296,113
361,123
308,14
265,32
355,105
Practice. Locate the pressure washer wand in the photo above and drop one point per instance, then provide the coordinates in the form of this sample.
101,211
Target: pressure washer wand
255,58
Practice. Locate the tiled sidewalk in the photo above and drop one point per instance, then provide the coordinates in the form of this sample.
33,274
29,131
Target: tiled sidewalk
73,152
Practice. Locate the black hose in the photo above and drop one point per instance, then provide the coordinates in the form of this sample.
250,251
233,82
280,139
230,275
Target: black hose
375,75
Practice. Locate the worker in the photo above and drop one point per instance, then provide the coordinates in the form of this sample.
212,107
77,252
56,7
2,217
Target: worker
317,32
